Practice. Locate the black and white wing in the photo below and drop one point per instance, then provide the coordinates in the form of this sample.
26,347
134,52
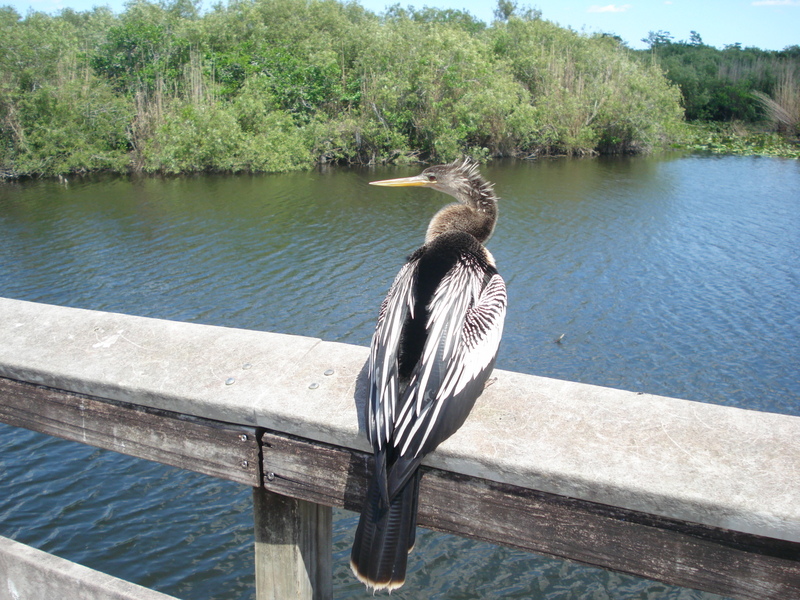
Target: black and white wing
464,328
383,367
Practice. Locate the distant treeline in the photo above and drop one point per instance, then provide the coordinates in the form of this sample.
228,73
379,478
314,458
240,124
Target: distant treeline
272,85
735,83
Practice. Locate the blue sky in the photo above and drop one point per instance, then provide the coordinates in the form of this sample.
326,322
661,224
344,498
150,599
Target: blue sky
766,24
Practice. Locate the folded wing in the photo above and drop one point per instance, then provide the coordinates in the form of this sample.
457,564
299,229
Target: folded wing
464,327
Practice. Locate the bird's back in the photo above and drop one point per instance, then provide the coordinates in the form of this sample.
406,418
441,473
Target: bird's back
447,346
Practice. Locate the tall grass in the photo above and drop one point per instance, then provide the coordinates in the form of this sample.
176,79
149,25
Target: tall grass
783,107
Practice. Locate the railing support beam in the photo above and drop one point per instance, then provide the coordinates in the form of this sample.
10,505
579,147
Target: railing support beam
294,548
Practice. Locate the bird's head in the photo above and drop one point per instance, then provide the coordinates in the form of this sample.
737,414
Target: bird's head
460,179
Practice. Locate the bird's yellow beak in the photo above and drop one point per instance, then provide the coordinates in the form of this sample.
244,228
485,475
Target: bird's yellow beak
417,180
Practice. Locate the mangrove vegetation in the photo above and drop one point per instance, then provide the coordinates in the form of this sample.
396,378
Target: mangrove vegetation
275,85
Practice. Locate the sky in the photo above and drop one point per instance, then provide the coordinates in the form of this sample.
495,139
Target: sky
765,24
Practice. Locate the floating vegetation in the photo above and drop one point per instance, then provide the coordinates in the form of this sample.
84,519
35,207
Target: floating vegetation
727,138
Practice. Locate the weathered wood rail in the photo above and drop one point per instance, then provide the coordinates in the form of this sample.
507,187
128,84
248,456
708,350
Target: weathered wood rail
691,494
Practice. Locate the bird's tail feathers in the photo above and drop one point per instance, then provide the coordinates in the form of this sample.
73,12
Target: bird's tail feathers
385,536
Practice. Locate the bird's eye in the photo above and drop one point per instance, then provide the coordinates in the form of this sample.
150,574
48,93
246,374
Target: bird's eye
431,177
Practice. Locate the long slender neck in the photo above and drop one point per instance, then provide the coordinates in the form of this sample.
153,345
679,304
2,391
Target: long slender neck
478,222
475,213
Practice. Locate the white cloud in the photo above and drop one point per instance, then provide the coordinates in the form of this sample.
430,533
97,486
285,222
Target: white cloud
776,3
611,8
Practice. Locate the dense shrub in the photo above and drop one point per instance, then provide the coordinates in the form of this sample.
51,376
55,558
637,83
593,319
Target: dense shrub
270,85
588,93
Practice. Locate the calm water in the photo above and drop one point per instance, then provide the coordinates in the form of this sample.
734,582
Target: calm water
671,276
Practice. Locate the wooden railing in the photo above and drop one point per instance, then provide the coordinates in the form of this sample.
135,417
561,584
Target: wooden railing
691,494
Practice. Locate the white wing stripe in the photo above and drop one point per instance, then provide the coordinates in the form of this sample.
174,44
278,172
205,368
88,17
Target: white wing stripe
383,356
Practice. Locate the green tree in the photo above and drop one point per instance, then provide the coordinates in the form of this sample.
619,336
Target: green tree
587,93
145,49
278,84
719,85
658,39
55,115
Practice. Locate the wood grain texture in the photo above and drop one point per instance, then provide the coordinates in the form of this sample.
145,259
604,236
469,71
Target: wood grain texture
675,552
313,476
217,449
293,548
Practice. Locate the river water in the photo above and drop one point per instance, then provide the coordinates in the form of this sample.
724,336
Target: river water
677,276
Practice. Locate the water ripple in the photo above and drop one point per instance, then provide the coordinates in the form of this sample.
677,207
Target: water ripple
679,277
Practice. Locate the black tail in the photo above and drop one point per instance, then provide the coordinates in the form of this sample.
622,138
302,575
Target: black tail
385,536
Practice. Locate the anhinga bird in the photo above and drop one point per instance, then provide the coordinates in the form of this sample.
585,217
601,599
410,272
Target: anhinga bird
433,349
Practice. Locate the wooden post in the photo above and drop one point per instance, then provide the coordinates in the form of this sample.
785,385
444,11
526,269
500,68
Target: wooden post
294,548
